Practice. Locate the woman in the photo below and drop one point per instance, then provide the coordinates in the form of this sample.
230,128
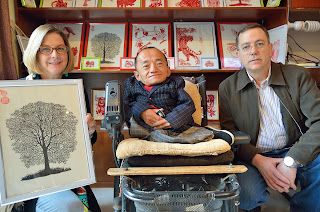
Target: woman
49,56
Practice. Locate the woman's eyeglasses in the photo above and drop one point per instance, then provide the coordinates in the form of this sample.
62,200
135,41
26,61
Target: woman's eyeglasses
48,50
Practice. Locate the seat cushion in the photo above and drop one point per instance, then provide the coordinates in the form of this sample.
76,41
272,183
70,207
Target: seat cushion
137,147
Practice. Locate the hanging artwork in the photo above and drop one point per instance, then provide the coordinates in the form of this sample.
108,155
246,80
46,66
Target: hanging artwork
193,40
244,3
86,3
212,3
227,33
56,3
212,105
107,41
44,138
144,34
184,3
98,103
75,34
119,3
154,3
278,40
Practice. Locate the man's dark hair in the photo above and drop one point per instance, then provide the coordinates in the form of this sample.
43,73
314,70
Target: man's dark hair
149,47
251,26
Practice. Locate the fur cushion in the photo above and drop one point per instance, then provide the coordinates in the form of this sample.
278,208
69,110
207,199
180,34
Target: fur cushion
136,147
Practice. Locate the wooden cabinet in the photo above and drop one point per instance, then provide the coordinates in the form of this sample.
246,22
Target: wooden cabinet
29,18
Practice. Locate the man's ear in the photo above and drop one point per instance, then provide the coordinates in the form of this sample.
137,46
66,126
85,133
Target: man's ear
168,71
136,74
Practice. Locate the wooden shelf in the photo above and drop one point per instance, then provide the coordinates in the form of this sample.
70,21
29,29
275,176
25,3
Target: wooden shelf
117,71
302,14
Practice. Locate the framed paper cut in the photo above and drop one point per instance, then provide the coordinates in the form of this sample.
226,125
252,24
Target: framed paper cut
212,3
127,63
56,3
244,3
75,34
209,63
184,3
98,103
90,63
278,40
227,33
273,3
119,3
170,61
193,40
107,41
29,3
212,105
44,139
86,3
154,3
156,34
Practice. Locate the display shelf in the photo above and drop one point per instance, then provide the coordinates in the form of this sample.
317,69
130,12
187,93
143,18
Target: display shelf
117,71
304,14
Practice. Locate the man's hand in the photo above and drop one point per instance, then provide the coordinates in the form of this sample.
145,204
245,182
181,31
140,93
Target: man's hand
150,117
268,169
290,173
91,123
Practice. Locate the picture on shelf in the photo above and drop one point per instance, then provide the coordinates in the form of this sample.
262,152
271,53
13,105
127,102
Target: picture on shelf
154,3
184,3
227,44
75,34
193,40
209,63
90,63
212,105
120,3
98,103
273,3
170,61
127,63
86,3
146,34
108,41
212,3
278,40
44,138
56,3
29,3
244,3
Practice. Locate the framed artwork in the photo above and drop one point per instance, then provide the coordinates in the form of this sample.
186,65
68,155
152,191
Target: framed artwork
278,40
209,63
86,3
184,3
171,62
44,139
75,33
212,3
227,44
98,103
193,40
154,3
144,34
127,63
119,3
212,105
108,41
56,3
29,3
273,3
244,3
90,63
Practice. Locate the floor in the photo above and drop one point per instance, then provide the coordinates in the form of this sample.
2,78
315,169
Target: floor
275,204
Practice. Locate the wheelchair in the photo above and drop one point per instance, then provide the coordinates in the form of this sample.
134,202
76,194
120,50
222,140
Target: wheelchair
163,186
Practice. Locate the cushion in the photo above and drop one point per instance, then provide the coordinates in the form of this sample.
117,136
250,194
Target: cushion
192,90
137,147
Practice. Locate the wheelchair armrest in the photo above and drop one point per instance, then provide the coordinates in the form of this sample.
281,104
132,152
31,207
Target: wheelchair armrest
240,137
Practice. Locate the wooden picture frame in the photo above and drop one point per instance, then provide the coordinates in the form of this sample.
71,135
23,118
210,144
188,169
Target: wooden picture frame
86,3
212,105
171,63
244,3
154,3
75,32
278,40
115,40
209,63
114,3
144,34
98,96
193,40
184,3
56,4
90,63
28,3
227,32
44,139
210,3
127,63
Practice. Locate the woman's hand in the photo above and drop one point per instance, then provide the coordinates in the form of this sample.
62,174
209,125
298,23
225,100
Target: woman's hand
91,123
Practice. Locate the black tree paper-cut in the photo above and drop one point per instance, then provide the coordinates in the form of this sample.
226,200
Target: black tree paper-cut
43,133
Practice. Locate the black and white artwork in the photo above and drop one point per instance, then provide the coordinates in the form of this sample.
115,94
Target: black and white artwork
44,139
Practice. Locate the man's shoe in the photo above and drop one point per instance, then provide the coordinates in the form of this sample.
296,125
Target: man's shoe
222,134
